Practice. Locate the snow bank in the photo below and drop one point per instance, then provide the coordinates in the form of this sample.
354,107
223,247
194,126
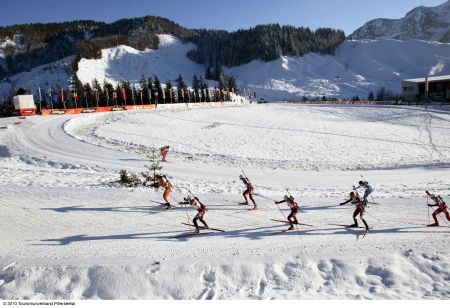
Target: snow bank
410,275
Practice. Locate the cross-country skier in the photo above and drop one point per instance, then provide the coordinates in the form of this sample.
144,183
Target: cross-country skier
164,183
294,210
442,208
367,190
164,150
248,190
356,200
201,209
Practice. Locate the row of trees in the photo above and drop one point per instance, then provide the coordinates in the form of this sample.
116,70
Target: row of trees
148,91
264,42
37,44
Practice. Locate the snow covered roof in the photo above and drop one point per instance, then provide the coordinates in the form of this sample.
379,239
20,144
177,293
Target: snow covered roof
431,78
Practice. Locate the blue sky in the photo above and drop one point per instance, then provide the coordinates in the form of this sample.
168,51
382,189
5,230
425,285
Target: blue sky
347,15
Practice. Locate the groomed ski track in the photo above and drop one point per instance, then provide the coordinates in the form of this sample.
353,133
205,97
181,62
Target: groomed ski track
69,231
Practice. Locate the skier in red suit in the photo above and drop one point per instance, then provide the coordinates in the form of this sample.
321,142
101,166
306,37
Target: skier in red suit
164,150
442,208
164,183
248,190
201,209
356,200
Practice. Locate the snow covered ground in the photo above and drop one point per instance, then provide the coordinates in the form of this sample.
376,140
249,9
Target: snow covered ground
68,230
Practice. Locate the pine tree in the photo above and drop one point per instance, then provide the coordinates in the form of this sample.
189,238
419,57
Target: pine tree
150,174
169,92
151,89
127,87
88,94
195,87
159,90
201,83
144,90
208,72
119,99
98,88
218,72
370,97
181,86
108,90
232,86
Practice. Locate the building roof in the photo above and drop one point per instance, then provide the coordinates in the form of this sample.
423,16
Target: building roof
431,78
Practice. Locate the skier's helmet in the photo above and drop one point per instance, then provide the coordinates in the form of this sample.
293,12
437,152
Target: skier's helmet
286,198
361,183
352,194
241,177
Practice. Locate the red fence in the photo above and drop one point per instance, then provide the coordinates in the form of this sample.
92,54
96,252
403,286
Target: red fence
343,102
47,111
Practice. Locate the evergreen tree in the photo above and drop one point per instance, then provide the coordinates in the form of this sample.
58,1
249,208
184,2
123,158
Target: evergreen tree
125,85
370,97
169,93
159,90
195,87
119,99
108,90
231,81
98,89
144,90
151,88
150,174
202,89
208,72
218,72
181,86
87,94
381,94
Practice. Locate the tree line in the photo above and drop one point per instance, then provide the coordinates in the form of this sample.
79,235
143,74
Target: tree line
37,44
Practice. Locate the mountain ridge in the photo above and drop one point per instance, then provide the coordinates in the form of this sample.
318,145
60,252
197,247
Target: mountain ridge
420,23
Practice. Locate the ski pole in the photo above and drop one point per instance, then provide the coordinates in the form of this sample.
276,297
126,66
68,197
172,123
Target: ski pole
185,210
373,216
259,195
244,174
429,220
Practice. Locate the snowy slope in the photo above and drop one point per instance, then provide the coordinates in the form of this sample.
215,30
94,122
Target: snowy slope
69,231
357,68
421,23
54,75
126,63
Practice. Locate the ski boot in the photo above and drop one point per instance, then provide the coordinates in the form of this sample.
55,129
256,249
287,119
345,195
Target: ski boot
433,225
291,227
197,231
353,226
168,206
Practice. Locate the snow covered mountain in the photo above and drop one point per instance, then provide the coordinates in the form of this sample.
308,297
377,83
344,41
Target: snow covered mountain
357,68
421,23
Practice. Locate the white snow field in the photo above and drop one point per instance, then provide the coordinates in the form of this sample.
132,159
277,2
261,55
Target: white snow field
69,231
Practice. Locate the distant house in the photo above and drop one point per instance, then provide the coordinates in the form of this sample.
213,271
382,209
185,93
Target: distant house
416,89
